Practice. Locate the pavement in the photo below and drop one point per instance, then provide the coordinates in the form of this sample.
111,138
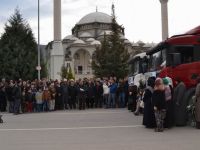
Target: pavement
95,129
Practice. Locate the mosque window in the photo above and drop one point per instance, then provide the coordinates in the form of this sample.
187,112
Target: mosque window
77,56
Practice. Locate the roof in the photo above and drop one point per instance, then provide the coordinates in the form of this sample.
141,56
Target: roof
79,41
138,56
157,48
70,37
85,34
90,40
96,43
194,31
95,17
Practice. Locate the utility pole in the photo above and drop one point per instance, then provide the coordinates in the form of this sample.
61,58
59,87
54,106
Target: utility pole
38,67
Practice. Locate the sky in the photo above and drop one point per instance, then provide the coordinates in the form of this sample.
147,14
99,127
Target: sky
141,18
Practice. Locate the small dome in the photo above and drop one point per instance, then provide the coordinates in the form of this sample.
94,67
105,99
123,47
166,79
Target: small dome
90,40
79,42
96,17
85,34
135,44
96,42
71,37
140,43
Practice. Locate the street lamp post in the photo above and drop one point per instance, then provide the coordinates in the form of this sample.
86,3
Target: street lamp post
38,67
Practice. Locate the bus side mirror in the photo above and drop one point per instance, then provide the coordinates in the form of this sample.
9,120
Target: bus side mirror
176,59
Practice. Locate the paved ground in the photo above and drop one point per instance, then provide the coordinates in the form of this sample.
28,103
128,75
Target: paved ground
99,129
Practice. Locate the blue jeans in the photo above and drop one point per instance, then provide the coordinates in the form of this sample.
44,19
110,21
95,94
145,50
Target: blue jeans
111,100
122,100
39,107
16,106
45,106
11,106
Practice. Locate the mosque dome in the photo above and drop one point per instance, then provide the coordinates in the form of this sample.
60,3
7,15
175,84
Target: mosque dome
90,40
71,37
96,42
79,41
95,17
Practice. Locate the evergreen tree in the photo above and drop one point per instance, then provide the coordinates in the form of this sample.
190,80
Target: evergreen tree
64,72
70,74
18,53
111,58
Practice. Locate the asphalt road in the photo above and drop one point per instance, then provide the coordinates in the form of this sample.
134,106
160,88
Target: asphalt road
98,129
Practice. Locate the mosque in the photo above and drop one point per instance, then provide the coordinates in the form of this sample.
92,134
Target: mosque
77,50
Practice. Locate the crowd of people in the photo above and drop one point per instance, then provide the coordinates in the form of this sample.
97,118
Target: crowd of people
39,96
161,104
164,105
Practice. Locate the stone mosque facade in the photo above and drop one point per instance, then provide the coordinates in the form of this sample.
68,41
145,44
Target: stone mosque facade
79,47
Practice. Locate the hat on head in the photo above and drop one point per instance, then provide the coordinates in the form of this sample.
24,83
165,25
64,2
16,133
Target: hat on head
165,81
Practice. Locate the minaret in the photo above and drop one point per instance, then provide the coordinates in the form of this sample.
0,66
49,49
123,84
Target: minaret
164,15
57,53
113,10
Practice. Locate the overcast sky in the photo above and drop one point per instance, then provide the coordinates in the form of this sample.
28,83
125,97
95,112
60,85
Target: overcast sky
141,18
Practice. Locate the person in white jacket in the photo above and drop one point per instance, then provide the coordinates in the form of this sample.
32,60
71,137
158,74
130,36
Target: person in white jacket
106,92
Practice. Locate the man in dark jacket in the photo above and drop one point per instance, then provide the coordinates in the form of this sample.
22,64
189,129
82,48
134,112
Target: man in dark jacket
72,95
10,97
17,94
65,94
58,96
98,95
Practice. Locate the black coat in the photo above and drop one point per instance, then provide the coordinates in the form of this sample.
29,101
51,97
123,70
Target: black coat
148,117
72,91
158,99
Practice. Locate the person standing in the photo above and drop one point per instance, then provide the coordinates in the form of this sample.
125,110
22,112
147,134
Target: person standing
98,95
106,91
197,104
46,98
39,102
81,95
29,100
65,94
3,99
159,104
17,94
72,94
9,93
90,95
180,104
112,94
133,91
58,96
121,92
149,117
52,91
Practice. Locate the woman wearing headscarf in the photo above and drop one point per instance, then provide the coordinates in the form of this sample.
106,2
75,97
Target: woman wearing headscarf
148,117
159,103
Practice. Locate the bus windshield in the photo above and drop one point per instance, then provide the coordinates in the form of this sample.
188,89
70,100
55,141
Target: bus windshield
157,60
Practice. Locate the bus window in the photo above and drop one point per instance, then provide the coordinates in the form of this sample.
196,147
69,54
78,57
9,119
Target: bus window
187,53
157,60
